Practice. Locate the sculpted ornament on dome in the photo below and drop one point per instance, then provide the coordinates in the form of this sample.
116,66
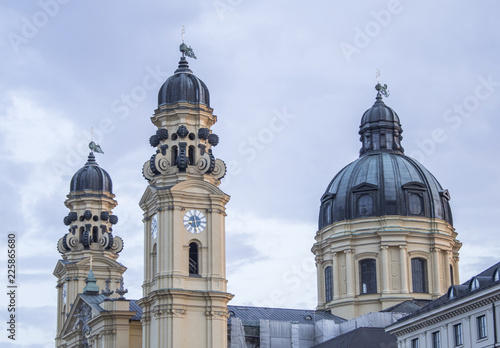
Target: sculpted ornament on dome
117,245
203,133
206,163
104,216
87,215
113,219
213,139
154,140
220,169
162,134
182,131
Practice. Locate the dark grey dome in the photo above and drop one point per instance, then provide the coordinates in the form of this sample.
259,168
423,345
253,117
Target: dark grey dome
91,177
383,181
183,86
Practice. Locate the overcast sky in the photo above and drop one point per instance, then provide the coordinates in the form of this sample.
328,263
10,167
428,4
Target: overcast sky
289,82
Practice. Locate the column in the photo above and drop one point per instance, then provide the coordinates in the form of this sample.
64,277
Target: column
447,276
404,269
349,263
321,280
384,267
435,271
336,279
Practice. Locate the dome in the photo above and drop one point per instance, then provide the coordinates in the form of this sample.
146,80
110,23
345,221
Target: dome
91,177
383,181
183,86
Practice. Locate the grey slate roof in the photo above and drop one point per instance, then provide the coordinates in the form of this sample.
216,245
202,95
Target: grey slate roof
408,307
250,316
135,307
391,180
95,302
363,337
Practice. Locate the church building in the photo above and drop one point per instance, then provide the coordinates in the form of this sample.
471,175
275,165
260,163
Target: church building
385,244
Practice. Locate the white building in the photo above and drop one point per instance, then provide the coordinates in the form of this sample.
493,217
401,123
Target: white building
467,316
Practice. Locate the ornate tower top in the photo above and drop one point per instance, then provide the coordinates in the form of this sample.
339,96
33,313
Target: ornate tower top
183,140
90,202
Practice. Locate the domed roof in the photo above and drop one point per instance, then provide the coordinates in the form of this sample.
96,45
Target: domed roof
91,177
383,181
183,86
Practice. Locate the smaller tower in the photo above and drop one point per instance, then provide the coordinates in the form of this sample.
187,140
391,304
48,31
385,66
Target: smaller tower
89,242
385,226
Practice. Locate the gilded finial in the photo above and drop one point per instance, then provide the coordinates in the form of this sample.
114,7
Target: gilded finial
182,33
378,75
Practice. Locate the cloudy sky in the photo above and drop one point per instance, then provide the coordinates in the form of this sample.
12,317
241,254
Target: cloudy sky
289,82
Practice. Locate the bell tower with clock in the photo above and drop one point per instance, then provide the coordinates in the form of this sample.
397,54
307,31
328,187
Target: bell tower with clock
184,292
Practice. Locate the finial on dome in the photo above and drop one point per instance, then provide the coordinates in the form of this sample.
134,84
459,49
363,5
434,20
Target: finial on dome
381,89
185,49
93,146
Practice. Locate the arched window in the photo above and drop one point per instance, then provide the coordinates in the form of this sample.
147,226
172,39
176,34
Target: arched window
154,263
194,263
191,155
419,275
328,284
175,153
95,234
451,275
368,276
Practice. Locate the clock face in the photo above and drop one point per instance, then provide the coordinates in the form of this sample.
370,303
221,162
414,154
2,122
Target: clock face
154,226
195,221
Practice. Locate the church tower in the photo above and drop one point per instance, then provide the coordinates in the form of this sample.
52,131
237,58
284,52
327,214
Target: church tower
385,226
185,298
89,242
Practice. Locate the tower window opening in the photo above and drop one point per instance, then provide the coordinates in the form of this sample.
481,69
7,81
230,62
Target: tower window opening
368,275
451,275
194,265
419,275
95,234
174,154
328,284
191,155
